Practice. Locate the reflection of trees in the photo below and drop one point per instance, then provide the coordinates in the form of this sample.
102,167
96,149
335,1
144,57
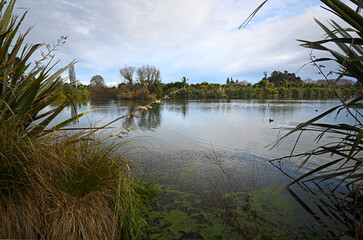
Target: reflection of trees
150,119
98,102
73,111
75,106
184,108
276,109
129,122
180,107
100,106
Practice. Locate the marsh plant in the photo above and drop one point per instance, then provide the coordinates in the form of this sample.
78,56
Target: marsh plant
333,188
54,185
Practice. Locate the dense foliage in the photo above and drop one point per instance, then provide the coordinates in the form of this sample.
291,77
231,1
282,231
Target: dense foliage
282,85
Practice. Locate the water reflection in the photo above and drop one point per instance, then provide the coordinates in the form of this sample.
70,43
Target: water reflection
229,125
73,111
74,108
147,120
180,106
129,122
150,119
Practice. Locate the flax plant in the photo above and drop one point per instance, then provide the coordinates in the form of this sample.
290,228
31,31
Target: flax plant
25,92
344,167
345,150
52,185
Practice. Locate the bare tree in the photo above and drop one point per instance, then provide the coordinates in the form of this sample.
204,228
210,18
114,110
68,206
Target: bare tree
141,76
127,74
97,80
148,75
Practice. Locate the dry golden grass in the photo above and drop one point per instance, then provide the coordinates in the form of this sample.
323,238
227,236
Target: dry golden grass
67,190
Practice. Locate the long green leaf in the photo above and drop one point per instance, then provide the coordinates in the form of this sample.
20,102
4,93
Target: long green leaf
5,19
357,141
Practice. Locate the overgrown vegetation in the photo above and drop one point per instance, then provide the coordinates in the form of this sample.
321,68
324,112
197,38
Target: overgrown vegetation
53,185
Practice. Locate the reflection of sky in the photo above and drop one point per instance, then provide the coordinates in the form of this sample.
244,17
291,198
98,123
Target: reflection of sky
230,125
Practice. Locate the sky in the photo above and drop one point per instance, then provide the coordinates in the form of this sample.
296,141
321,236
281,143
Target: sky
198,39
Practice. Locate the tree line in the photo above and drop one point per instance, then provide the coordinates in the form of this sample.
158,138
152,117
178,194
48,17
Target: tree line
145,83
138,83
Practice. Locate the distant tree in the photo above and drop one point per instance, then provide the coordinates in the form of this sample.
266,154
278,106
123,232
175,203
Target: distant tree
344,81
72,76
227,82
277,76
184,81
262,83
97,80
127,73
321,82
282,83
141,76
232,82
148,75
264,75
244,83
205,83
308,80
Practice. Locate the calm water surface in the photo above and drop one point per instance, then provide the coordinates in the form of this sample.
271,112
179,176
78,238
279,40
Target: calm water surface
233,126
194,149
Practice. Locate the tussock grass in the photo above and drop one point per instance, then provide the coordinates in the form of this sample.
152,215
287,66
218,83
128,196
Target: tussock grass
67,190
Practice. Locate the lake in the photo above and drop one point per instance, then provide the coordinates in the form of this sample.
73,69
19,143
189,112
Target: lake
211,156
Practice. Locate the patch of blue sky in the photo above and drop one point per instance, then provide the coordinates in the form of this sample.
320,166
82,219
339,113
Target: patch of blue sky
281,10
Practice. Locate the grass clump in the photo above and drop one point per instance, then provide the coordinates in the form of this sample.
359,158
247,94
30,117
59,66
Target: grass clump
54,186
68,190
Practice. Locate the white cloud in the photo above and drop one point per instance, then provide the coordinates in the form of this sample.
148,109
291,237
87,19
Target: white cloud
194,38
113,84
